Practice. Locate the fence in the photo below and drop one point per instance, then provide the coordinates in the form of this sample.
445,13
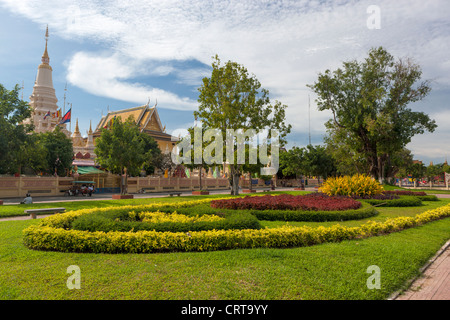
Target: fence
18,187
158,184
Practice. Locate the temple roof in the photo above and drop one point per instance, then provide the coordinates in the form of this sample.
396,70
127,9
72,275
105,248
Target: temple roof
147,118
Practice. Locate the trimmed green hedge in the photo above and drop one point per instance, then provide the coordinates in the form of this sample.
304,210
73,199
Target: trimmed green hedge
364,212
404,201
428,198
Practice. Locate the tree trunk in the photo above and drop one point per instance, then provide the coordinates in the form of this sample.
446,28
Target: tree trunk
124,182
380,170
235,179
200,178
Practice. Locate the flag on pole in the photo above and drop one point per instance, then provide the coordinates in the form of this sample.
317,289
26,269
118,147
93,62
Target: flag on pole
47,115
110,123
66,117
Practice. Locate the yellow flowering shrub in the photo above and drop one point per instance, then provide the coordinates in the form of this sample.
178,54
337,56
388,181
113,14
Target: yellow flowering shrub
357,185
161,217
64,220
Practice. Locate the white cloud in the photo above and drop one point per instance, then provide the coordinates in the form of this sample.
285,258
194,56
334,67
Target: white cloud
284,43
102,75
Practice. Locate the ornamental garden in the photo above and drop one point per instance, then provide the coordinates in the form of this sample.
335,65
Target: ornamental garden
211,224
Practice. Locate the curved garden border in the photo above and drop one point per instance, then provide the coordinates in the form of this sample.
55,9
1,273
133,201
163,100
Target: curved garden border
52,235
366,211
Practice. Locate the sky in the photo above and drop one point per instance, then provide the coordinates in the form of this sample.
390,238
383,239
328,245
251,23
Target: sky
119,54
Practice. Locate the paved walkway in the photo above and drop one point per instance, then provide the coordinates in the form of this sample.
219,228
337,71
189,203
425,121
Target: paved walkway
434,284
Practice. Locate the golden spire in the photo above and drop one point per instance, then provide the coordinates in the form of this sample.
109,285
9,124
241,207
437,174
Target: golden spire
90,128
45,57
77,130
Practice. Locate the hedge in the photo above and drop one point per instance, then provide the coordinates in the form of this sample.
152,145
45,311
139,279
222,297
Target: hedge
45,237
428,198
404,201
364,212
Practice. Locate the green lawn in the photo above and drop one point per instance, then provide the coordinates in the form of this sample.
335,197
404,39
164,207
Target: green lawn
18,210
328,271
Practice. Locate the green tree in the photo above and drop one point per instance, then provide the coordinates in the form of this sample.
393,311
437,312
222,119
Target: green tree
417,171
198,161
434,171
231,98
121,149
318,162
13,133
32,154
59,151
369,102
152,154
292,163
347,159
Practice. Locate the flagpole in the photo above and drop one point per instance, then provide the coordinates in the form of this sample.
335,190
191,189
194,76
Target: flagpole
65,91
70,125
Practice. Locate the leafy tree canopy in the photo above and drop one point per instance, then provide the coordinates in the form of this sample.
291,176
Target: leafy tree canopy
369,101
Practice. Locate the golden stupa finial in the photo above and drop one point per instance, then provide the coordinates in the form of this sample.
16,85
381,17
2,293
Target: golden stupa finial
45,57
90,128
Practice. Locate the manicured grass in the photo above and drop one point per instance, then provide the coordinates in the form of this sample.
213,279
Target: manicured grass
18,210
328,271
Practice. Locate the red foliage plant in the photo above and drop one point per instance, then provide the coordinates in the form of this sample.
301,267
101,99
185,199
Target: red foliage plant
309,202
405,193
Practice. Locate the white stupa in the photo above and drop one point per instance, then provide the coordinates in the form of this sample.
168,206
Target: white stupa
45,112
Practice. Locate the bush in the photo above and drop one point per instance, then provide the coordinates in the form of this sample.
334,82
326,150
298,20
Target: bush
163,222
428,198
315,216
378,197
309,202
405,201
45,237
405,193
357,185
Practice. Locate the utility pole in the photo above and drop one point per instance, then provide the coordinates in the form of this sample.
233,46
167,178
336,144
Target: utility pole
309,118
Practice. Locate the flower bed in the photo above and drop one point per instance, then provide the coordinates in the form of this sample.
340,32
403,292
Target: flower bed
49,235
405,193
309,202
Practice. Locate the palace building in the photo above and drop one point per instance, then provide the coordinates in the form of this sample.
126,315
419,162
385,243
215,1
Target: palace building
148,121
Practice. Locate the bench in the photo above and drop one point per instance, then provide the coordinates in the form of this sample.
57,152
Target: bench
34,212
267,190
174,193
